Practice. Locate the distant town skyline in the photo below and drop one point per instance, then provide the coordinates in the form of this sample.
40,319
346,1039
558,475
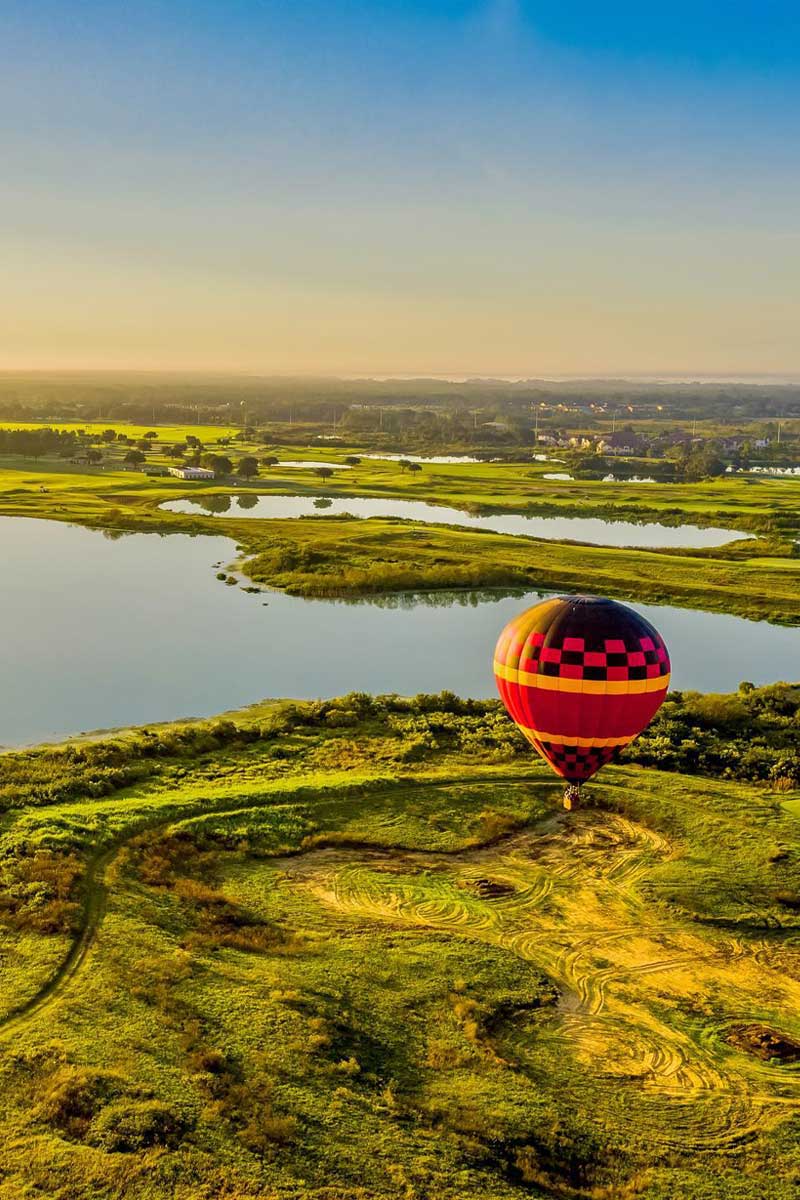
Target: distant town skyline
493,188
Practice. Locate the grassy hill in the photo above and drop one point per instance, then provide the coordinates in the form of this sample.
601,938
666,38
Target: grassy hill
357,949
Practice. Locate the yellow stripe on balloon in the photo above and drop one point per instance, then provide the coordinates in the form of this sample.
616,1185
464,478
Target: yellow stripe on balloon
589,687
561,739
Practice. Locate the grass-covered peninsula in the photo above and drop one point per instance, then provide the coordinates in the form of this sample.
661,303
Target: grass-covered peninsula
356,949
327,556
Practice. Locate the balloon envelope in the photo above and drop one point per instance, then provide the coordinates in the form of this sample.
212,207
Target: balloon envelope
581,676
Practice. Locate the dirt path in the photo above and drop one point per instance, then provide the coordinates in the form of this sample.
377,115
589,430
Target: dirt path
563,895
95,887
567,901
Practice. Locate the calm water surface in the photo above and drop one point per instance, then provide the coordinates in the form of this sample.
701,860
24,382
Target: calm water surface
99,632
315,462
434,459
578,529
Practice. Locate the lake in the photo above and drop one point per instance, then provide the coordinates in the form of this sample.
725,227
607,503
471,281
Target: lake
441,460
577,529
312,464
105,630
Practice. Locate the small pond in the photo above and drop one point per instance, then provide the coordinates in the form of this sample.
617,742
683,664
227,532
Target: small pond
577,529
312,464
442,460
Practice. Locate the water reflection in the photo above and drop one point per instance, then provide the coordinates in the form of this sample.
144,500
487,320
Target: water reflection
455,598
218,504
103,631
592,530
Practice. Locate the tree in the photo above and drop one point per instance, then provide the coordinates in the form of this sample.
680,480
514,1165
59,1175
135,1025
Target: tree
218,463
143,444
414,466
94,456
702,464
323,472
135,457
174,451
591,464
247,467
109,435
269,461
352,460
151,436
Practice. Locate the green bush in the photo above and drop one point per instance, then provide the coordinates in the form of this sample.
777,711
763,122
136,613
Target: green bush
72,1096
130,1125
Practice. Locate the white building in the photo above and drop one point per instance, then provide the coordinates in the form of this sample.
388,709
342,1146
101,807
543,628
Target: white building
191,473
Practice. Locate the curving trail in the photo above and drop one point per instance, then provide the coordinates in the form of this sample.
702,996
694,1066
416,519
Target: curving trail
95,888
563,896
93,913
620,965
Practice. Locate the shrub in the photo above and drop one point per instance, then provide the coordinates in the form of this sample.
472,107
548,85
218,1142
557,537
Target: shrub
72,1097
39,892
130,1125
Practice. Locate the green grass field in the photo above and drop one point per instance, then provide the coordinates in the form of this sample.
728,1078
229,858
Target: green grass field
349,954
762,504
333,556
166,433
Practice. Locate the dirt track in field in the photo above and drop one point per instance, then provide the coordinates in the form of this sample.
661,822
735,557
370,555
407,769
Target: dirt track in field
630,975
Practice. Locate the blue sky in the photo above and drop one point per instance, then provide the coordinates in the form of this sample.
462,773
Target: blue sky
499,186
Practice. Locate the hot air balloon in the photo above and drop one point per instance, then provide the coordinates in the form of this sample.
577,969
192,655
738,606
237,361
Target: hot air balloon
581,676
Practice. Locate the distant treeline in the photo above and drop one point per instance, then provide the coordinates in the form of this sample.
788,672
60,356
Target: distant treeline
235,400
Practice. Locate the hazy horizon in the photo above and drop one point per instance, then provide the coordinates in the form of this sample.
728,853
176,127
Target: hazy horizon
774,379
492,188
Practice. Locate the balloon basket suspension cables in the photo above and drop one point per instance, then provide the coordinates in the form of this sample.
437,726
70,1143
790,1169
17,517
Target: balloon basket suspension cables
572,796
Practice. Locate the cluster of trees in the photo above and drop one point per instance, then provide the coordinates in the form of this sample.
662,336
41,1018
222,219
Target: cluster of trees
35,443
688,464
752,735
700,462
221,464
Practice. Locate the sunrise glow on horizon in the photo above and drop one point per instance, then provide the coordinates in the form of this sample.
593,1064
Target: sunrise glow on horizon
383,188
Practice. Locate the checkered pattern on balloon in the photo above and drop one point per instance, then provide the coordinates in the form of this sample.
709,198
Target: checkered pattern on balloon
582,676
